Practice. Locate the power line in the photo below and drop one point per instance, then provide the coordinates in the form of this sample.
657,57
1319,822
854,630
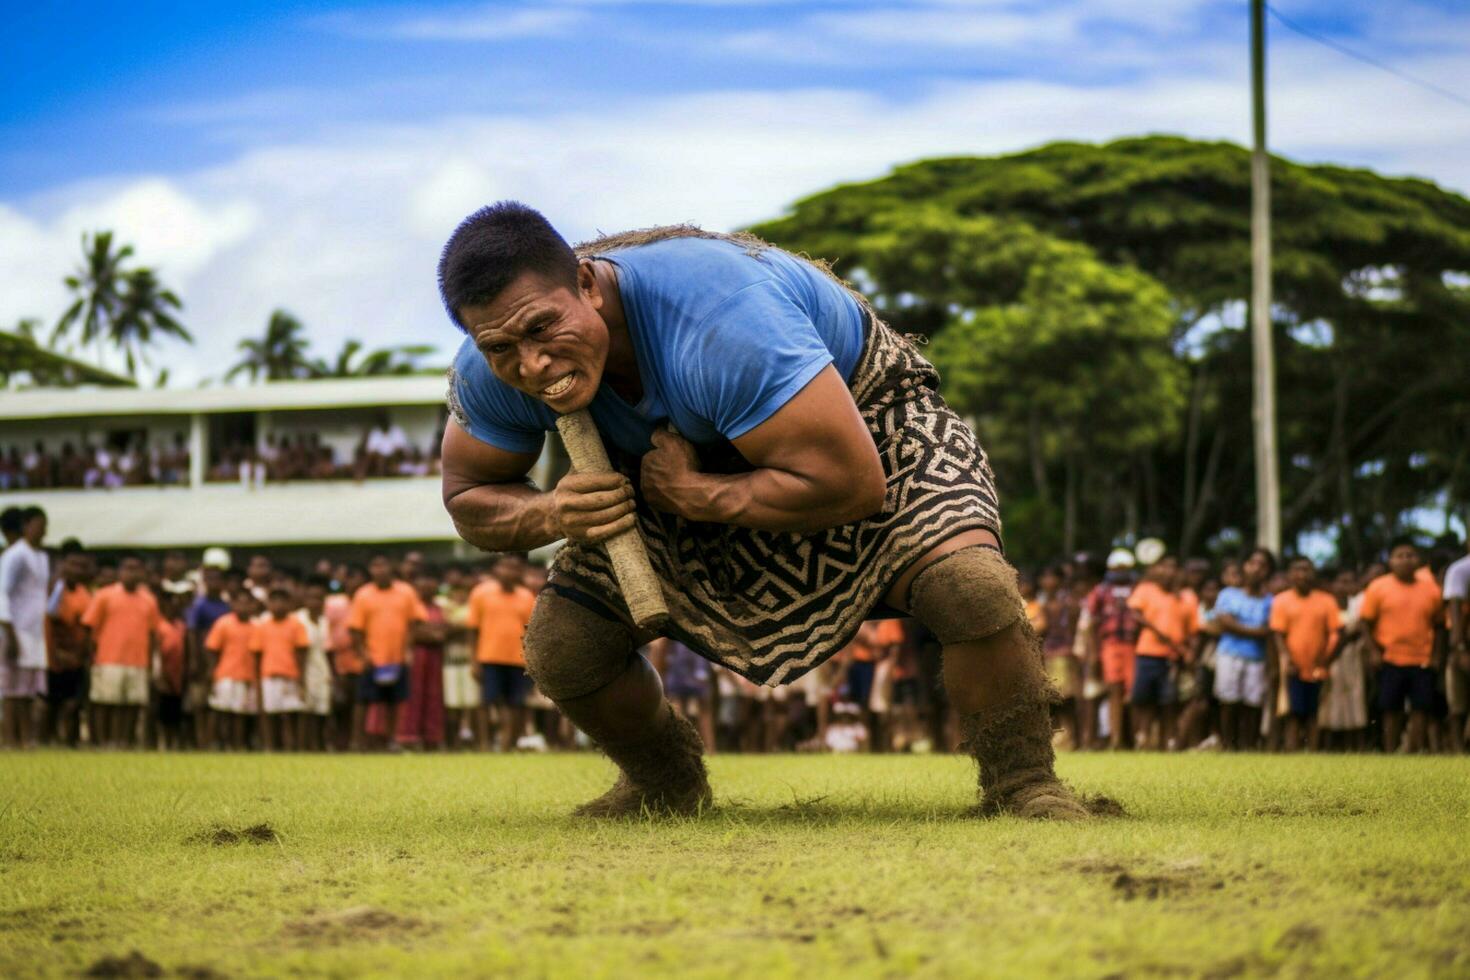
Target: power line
1367,59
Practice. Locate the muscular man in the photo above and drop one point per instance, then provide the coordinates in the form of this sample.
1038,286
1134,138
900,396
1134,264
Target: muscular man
784,454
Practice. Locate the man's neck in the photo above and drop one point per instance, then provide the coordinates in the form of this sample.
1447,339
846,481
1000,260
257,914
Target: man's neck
621,370
1406,579
1303,590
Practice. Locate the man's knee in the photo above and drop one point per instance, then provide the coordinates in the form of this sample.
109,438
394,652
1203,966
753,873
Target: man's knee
571,651
967,595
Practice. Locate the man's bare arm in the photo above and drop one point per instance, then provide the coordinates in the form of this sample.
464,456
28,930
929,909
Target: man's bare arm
494,508
816,466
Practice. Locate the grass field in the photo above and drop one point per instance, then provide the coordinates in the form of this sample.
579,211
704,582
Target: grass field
812,866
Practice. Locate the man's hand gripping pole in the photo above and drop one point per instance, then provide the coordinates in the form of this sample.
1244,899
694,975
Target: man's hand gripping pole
640,586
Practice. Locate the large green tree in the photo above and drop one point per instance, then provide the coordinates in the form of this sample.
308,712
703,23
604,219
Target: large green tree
1372,318
277,355
128,308
353,360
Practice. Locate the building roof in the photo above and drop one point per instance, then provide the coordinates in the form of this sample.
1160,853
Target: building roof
21,354
89,401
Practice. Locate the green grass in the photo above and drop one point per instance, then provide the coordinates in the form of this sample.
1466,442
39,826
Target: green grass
811,866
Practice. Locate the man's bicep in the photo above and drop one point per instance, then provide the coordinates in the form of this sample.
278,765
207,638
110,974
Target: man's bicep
820,424
468,462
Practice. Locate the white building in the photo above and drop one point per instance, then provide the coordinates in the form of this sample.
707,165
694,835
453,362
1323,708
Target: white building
212,503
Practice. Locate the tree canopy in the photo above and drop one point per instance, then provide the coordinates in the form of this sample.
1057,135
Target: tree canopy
1095,294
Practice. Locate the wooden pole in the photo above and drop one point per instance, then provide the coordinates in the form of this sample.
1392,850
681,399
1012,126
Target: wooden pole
1263,359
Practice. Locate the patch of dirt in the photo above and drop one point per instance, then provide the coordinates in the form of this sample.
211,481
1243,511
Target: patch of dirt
1102,806
1300,936
261,833
1092,866
135,964
357,924
1327,808
1131,886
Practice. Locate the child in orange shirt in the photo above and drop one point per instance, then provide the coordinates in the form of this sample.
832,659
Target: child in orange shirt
1401,610
235,696
124,621
279,641
384,613
168,679
1166,619
1306,623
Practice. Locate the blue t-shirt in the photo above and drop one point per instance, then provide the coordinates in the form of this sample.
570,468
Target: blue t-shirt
203,612
723,339
1248,610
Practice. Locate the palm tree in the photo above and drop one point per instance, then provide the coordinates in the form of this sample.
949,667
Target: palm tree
97,286
397,360
279,355
144,317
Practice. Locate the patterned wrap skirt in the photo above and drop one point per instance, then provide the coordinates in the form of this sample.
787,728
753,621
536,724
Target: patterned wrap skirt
773,605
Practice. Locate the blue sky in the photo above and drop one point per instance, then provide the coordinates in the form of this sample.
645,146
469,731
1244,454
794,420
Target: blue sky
315,155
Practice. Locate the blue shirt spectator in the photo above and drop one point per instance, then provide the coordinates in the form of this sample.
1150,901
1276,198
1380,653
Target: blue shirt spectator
1248,610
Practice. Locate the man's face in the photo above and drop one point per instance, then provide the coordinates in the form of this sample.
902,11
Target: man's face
74,569
35,530
1302,575
1403,561
1255,570
544,338
506,571
259,570
174,566
130,572
381,569
1345,585
315,599
214,580
1164,572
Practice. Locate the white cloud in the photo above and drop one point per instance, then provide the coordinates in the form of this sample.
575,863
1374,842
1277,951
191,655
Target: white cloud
345,229
484,22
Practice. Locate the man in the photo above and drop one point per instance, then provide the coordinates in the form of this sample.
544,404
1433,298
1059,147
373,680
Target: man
500,608
1457,667
279,643
381,622
1166,618
199,621
1400,612
25,575
814,476
347,666
1112,638
1243,617
67,652
1306,623
124,620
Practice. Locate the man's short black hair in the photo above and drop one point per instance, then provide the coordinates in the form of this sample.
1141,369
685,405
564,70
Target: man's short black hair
492,247
10,520
1402,541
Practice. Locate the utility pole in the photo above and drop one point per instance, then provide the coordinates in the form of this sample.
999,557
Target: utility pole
1263,358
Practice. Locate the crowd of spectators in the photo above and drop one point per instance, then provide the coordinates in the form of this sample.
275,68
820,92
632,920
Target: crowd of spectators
1163,655
383,450
84,465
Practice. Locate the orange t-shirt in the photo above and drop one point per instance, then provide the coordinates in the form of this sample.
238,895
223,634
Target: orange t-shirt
338,609
862,645
1170,615
66,639
1310,625
231,638
1404,615
888,632
501,618
277,640
171,655
383,616
122,624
